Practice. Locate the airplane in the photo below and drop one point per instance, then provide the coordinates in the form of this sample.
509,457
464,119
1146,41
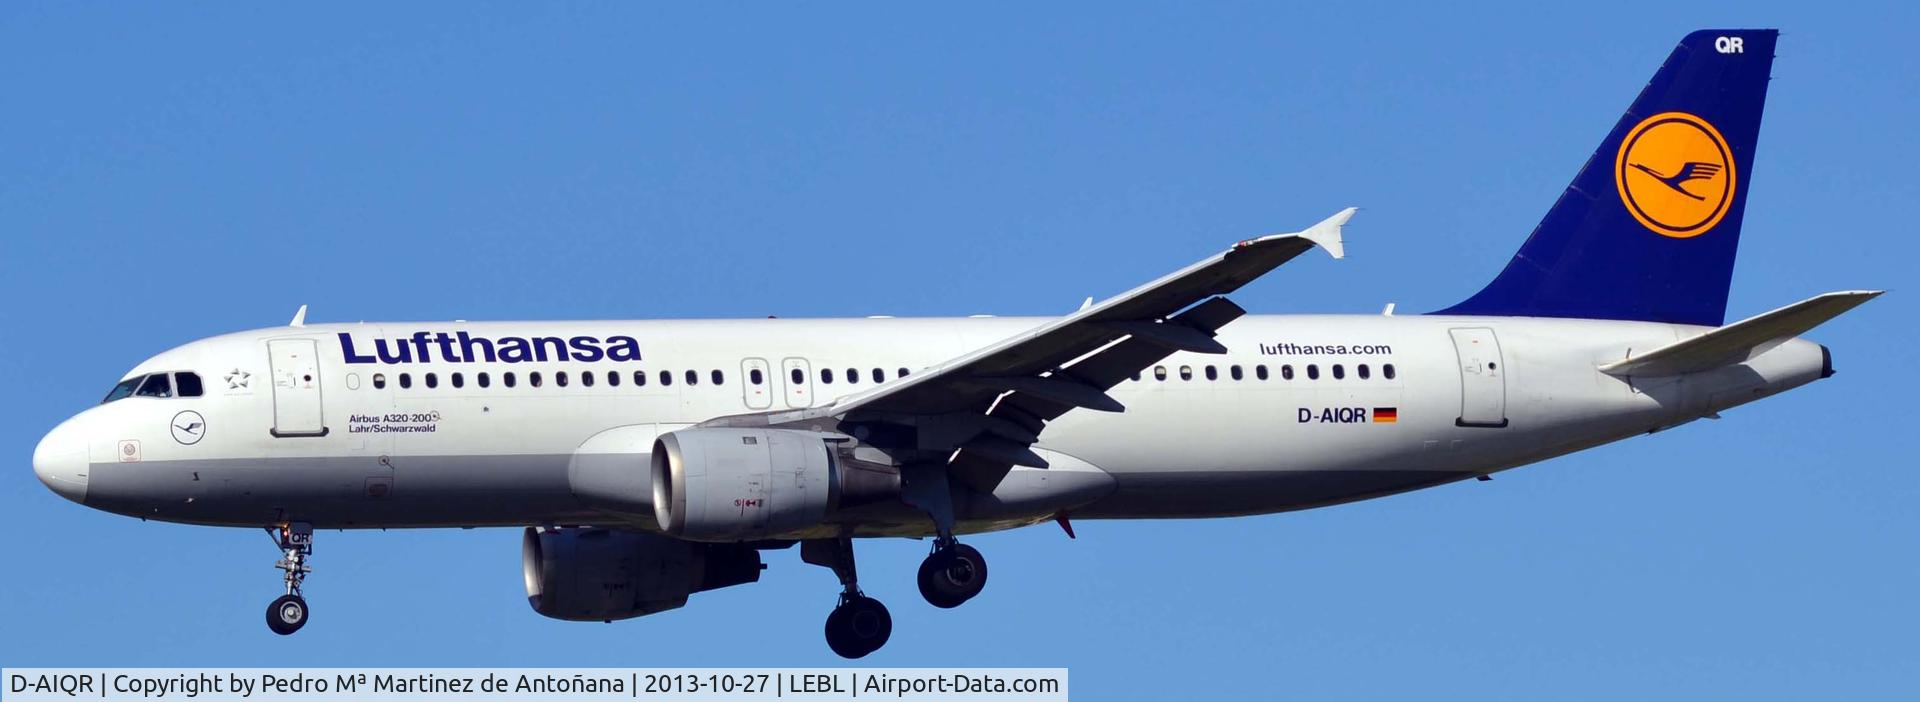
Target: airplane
647,461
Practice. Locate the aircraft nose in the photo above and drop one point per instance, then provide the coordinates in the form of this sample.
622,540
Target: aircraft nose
60,461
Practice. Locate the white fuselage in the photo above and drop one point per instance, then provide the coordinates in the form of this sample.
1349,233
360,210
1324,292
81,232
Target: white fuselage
1240,433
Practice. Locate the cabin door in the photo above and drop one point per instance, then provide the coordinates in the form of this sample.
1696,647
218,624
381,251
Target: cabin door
296,387
1483,378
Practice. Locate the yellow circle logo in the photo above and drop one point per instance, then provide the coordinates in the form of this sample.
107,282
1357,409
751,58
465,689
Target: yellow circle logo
1675,174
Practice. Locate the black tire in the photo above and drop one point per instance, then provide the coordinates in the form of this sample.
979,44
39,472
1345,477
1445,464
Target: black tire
287,614
950,577
859,626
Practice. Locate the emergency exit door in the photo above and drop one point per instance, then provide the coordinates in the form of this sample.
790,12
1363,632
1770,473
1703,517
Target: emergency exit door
1483,378
757,391
797,374
296,387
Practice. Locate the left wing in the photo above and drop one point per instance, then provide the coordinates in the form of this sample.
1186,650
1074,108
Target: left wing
992,404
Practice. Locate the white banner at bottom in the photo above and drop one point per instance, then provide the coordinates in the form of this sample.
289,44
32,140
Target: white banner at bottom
532,684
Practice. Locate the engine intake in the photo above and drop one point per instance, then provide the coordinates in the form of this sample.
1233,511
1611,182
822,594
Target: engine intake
727,484
605,574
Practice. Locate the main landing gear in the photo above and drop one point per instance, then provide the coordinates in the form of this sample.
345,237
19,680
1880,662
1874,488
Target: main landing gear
289,611
952,574
859,624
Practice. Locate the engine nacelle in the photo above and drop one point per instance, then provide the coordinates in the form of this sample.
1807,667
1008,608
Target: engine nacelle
604,574
727,484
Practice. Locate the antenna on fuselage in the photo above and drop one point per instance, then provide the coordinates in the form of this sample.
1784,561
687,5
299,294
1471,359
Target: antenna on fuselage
299,317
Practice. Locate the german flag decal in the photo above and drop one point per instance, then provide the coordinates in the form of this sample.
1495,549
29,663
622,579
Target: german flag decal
1386,415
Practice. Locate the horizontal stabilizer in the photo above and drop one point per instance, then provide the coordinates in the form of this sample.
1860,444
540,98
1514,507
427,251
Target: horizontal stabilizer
1741,340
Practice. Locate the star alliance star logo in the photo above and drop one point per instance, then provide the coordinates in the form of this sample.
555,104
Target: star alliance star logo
237,379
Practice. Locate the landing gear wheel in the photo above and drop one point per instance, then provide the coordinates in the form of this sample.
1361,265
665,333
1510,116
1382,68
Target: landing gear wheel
287,614
952,575
859,626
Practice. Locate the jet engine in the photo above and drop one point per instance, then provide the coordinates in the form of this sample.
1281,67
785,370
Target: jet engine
604,574
723,484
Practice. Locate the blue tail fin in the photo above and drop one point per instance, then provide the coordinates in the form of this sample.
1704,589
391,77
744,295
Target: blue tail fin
1648,229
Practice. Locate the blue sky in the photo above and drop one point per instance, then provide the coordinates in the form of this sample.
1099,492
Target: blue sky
165,177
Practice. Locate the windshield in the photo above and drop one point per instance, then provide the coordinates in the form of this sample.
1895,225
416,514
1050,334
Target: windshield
175,384
124,389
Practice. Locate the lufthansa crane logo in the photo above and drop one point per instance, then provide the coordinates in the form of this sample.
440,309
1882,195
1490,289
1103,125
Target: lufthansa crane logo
1675,174
189,427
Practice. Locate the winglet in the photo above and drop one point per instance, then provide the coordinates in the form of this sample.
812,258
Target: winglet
1327,232
1325,235
299,317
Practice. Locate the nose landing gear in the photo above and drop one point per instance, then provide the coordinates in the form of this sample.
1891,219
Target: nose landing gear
289,611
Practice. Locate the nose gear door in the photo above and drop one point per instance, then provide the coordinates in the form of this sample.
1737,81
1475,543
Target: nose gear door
296,388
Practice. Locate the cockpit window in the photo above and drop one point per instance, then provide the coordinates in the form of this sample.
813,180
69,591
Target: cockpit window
124,389
176,384
188,384
157,385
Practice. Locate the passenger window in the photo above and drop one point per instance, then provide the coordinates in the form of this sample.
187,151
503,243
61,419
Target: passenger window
507,379
156,385
1212,373
188,384
1363,372
1260,371
639,379
902,373
1286,372
1136,377
798,377
586,379
406,380
379,381
433,381
826,375
459,381
756,377
560,379
666,378
717,377
483,379
1234,371
1186,372
1313,371
613,379
853,375
693,378
1159,372
1339,371
879,376
1387,371
533,379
